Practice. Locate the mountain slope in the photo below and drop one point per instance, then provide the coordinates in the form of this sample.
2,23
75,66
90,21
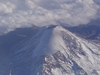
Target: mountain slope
89,32
52,50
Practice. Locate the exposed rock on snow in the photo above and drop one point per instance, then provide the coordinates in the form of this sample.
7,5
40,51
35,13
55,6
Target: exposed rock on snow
52,51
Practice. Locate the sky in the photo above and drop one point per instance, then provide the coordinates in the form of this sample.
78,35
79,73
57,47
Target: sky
25,13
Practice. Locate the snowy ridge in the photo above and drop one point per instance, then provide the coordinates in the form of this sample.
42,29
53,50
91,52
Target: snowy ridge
66,54
53,51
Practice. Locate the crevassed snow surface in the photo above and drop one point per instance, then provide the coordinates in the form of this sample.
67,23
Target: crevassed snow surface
52,51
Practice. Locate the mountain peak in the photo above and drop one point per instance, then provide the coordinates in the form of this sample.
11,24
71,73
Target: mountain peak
51,40
52,50
63,53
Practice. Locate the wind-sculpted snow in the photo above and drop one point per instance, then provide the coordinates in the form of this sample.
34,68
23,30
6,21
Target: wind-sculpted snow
52,51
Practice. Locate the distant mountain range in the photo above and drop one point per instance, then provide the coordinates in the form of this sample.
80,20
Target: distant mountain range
90,32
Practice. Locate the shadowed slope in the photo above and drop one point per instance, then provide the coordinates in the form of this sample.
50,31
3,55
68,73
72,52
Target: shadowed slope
53,50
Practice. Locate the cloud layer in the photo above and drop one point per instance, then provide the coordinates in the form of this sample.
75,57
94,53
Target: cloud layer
18,13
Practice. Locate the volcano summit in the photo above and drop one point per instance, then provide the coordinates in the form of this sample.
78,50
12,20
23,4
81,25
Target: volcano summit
51,50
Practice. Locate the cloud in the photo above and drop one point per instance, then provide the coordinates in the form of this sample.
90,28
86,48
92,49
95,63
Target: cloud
17,13
6,8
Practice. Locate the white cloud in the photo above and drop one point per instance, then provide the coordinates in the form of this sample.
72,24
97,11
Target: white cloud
6,8
17,13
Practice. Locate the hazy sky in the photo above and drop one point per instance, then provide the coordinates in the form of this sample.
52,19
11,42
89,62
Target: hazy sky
23,13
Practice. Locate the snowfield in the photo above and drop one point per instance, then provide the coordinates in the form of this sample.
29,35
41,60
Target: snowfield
52,51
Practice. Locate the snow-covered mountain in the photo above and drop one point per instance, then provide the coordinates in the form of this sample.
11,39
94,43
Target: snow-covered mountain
52,50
